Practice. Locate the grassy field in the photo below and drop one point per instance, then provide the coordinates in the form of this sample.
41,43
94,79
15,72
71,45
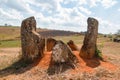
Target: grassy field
10,37
10,43
7,33
78,39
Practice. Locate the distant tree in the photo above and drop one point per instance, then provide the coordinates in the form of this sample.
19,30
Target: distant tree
6,24
110,35
118,32
9,25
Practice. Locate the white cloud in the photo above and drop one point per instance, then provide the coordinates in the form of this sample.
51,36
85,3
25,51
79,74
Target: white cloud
106,26
66,18
79,2
51,14
13,14
104,3
85,10
10,16
48,4
82,2
19,5
93,3
108,3
119,9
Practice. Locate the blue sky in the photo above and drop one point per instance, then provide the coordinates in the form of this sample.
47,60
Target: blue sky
63,14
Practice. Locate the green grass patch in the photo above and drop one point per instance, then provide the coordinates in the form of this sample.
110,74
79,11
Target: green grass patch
99,54
11,43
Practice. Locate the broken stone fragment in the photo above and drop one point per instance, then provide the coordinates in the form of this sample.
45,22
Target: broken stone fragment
72,45
50,43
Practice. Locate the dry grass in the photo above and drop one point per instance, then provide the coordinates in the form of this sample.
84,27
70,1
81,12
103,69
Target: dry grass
9,33
38,73
10,55
78,39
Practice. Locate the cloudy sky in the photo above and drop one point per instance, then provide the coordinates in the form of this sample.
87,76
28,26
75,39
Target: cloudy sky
63,14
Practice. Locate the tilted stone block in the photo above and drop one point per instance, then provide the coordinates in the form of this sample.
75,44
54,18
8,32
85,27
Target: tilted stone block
61,53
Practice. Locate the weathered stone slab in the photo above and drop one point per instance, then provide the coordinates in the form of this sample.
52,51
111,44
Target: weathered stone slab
31,42
50,43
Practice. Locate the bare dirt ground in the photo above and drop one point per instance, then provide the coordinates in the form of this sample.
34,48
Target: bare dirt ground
85,69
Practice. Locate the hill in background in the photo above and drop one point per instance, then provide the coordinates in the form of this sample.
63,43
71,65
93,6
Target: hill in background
11,33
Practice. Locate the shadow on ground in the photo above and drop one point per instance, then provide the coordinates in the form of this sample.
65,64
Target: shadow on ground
93,63
18,67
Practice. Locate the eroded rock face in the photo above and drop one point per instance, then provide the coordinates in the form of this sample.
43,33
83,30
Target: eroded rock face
89,44
72,45
31,42
61,53
50,43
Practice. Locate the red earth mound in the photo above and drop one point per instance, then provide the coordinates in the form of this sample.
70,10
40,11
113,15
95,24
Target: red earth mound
83,65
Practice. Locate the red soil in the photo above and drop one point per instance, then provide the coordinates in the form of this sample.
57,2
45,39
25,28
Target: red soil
83,65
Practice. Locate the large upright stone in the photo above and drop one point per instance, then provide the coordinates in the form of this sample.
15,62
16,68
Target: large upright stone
31,42
89,46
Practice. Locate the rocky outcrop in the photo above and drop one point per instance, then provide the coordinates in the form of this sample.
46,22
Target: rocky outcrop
32,43
89,45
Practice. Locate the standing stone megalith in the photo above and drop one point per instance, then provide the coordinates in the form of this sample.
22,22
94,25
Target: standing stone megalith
31,42
89,45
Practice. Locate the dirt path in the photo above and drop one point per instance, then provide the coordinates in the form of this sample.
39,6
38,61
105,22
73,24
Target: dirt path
17,49
9,51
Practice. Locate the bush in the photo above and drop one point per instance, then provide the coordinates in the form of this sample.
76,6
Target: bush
99,54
